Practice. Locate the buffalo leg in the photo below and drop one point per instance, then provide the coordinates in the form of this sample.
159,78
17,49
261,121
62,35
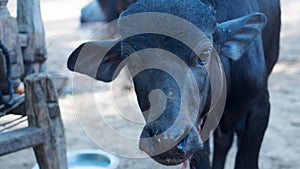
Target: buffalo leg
222,144
200,160
251,138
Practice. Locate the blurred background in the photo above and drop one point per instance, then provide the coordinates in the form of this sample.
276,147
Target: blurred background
64,32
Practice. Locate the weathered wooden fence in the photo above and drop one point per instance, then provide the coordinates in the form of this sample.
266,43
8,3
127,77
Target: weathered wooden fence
22,58
45,131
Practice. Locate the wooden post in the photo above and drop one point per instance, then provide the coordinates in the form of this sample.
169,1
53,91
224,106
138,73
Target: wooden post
30,23
43,111
3,9
9,35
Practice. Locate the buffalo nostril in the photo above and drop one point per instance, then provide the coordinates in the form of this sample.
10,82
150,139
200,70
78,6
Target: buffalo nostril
146,134
182,143
149,132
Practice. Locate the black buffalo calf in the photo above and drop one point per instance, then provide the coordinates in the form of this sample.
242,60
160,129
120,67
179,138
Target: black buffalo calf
246,36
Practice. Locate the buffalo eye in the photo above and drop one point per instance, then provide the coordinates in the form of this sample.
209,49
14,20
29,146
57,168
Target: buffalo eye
205,56
125,55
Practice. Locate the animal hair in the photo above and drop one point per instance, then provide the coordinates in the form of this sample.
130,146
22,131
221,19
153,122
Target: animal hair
195,11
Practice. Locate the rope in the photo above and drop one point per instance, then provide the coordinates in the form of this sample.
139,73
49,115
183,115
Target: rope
14,125
7,123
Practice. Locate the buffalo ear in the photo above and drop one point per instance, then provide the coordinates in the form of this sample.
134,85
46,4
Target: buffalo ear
233,37
101,60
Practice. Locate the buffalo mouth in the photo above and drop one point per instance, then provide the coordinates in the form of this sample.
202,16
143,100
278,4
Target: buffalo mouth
183,151
171,157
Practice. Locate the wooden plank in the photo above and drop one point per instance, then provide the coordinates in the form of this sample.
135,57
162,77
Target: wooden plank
20,139
43,111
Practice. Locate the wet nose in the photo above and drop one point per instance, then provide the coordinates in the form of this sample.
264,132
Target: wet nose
155,141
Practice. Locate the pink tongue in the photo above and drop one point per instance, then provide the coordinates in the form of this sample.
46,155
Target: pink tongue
185,164
200,125
199,128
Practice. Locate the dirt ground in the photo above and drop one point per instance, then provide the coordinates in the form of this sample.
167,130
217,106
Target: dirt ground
280,149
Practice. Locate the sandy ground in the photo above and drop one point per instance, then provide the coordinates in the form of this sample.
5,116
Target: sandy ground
280,149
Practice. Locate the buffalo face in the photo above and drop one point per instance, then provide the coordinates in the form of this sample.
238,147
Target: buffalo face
165,95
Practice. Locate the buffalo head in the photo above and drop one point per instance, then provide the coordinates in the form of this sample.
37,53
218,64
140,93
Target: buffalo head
168,60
